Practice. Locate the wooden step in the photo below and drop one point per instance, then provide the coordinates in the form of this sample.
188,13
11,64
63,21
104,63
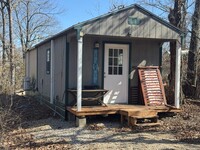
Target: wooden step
133,116
147,124
145,117
135,120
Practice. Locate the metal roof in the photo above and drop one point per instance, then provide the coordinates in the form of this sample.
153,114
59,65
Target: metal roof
138,7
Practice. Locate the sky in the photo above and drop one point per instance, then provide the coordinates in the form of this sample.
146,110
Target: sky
80,10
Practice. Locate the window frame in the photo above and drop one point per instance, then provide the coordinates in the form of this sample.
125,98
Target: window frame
48,61
115,61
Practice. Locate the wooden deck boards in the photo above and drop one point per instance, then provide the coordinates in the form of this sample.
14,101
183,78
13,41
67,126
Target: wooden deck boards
115,109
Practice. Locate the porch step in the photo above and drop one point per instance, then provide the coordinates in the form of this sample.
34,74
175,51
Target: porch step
141,117
148,124
144,121
146,117
152,86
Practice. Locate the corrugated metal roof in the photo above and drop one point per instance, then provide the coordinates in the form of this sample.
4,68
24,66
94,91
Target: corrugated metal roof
138,7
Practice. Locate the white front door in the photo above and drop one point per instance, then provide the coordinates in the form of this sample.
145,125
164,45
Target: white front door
116,73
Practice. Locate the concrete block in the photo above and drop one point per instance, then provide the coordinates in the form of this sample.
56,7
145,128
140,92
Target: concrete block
80,122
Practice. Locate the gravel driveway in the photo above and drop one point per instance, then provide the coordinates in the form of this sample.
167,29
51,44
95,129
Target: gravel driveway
54,133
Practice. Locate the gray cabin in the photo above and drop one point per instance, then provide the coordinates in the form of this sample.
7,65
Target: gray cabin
101,53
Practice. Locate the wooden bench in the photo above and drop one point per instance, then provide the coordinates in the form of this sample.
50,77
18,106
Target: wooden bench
97,95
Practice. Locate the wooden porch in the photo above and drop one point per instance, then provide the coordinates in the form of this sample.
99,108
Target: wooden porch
131,113
117,109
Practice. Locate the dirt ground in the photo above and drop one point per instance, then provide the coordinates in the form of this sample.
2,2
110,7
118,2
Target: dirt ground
39,129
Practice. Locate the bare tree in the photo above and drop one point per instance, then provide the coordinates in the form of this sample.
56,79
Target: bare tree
6,10
33,19
193,74
3,40
177,18
116,4
11,49
3,37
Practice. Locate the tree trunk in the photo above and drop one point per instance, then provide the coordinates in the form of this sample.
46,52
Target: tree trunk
176,18
21,35
172,64
27,27
3,37
193,56
12,82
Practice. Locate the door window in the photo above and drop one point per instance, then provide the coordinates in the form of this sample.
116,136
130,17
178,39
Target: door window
115,62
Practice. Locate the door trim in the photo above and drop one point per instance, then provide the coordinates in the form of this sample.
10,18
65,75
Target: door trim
129,62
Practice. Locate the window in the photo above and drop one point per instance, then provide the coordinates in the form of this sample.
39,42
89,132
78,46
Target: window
48,61
115,62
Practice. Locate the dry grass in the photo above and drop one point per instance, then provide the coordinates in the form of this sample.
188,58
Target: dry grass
185,125
12,118
8,116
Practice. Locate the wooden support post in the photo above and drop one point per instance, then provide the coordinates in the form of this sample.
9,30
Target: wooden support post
177,78
79,69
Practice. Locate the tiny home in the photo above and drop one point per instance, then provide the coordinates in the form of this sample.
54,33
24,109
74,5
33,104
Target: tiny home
101,53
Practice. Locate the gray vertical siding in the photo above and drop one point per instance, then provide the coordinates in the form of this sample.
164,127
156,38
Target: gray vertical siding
87,62
59,74
143,51
60,53
43,78
31,64
117,25
72,62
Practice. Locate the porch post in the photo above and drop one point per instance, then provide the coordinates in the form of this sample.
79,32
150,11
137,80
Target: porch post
79,69
177,78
